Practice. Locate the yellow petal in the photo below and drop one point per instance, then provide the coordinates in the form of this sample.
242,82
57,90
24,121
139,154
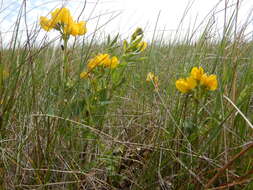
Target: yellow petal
74,30
186,85
191,83
56,16
82,28
103,59
197,73
45,23
61,15
210,82
182,85
66,17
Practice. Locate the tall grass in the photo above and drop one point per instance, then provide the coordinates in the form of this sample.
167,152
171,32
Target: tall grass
145,138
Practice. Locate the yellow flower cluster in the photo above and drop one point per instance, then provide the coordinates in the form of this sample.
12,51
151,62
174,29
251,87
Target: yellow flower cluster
152,77
62,20
197,77
103,60
186,85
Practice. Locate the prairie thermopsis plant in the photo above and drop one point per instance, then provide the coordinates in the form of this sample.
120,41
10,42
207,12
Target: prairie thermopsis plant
196,87
105,72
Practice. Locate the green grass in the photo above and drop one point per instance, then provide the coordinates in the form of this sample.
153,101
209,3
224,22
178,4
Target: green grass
141,138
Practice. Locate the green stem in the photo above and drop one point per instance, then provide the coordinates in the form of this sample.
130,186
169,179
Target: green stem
195,118
65,60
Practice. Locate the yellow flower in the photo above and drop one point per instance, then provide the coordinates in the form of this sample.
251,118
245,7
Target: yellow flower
82,28
100,59
197,73
62,20
46,24
210,82
76,28
191,82
182,85
186,85
103,60
151,77
66,17
112,63
84,75
142,46
67,29
56,16
62,15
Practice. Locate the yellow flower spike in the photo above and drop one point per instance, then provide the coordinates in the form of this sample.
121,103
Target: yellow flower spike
46,24
84,75
210,82
142,45
186,85
197,73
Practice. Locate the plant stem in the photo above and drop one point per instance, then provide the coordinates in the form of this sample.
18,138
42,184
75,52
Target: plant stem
65,60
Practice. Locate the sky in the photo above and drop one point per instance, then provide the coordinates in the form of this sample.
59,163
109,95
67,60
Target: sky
123,16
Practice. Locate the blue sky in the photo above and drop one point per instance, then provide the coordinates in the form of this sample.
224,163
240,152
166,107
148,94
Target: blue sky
122,15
